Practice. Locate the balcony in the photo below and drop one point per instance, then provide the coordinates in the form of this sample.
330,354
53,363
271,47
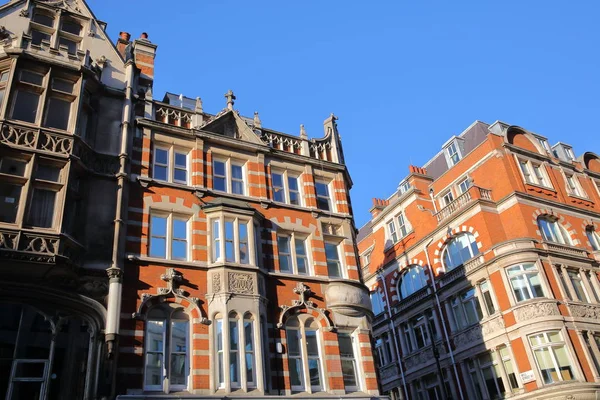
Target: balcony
24,245
474,193
388,373
413,299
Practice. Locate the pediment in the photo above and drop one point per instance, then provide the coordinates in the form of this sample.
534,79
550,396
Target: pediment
229,123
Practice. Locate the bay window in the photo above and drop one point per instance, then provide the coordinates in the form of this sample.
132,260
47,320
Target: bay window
168,236
46,182
525,281
552,356
228,176
232,240
166,350
304,355
334,265
170,164
286,188
459,249
293,254
235,351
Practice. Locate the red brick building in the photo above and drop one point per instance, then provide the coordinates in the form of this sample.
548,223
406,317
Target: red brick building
483,270
229,247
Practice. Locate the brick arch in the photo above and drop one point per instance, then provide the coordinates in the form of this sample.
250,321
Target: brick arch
398,274
176,204
540,212
287,223
449,236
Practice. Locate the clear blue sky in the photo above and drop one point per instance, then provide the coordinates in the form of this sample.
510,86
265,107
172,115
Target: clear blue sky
402,76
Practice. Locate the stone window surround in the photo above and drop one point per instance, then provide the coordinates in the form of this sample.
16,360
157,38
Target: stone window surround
307,238
58,16
578,187
171,149
478,296
286,174
169,237
590,281
524,259
530,164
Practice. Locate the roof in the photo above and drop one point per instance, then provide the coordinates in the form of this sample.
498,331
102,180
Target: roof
364,231
180,100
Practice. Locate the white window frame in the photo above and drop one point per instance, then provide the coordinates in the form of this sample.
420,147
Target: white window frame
351,358
464,185
170,165
569,153
552,345
229,164
170,238
446,198
293,256
525,270
544,143
472,252
452,152
329,197
573,185
218,240
534,173
340,253
555,233
304,358
286,175
593,237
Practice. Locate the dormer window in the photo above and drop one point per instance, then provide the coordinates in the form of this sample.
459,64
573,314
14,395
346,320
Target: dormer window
453,153
544,144
569,154
403,187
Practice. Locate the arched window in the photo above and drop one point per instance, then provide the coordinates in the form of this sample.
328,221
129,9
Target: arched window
593,237
304,354
552,231
461,248
167,358
412,280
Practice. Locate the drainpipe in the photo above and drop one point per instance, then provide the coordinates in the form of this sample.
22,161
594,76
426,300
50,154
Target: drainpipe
439,307
115,272
393,331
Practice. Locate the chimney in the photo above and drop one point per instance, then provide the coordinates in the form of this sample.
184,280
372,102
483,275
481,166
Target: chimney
413,169
378,206
144,52
122,43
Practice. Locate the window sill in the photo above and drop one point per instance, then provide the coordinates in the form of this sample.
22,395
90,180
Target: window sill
155,260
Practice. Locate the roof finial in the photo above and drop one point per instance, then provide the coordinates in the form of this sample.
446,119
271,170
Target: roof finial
230,99
303,132
199,105
257,123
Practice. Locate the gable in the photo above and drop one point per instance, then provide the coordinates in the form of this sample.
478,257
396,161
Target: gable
229,123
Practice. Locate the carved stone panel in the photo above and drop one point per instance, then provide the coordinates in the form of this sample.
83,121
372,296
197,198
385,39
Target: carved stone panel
216,282
493,325
581,311
240,282
473,335
535,310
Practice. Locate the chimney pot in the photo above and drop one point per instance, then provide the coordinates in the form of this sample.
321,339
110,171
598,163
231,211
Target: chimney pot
144,35
125,36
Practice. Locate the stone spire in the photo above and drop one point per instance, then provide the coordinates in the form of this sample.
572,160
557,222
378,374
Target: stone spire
303,132
230,99
257,123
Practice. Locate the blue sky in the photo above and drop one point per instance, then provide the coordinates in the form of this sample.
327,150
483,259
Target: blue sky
402,76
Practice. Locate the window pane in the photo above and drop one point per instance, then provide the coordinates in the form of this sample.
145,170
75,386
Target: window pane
69,44
283,244
312,348
293,342
229,244
301,261
237,187
9,202
236,171
333,264
179,347
47,173
243,242
313,370
12,166
43,19
179,250
71,27
180,175
295,371
278,190
26,105
161,156
41,211
293,189
57,114
348,373
322,196
180,160
179,229
159,226
37,37
62,85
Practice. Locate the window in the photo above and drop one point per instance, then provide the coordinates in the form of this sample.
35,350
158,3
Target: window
12,174
47,182
453,154
460,249
508,368
69,35
573,186
551,356
486,294
392,231
377,302
87,116
166,349
235,351
466,309
447,198
231,240
228,176
418,331
403,187
544,144
30,86
569,153
170,165
348,361
593,237
293,256
525,281
412,280
323,198
3,83
579,292
397,228
534,173
486,376
168,236
383,349
552,231
464,185
286,188
42,28
58,104
304,354
334,266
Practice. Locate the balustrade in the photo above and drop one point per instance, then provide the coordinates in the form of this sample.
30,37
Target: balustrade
32,246
474,193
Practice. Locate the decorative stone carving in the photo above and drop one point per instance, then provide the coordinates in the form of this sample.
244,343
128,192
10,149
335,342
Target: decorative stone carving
493,325
347,299
419,358
303,293
241,283
535,310
468,337
388,372
581,311
216,283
